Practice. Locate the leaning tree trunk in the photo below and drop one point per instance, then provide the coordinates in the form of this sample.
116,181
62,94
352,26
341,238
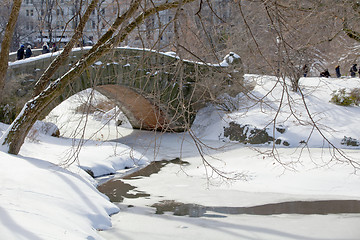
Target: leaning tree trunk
5,45
53,67
18,130
14,137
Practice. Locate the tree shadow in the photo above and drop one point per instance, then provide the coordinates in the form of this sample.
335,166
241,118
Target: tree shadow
18,231
230,229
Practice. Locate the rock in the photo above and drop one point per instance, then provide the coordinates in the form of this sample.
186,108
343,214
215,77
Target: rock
280,129
250,134
46,128
247,134
285,143
349,141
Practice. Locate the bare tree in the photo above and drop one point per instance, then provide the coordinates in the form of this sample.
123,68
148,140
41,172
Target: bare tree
45,11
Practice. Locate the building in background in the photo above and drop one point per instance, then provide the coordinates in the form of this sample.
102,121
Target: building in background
54,21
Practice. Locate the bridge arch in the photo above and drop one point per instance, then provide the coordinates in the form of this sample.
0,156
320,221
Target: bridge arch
156,91
141,113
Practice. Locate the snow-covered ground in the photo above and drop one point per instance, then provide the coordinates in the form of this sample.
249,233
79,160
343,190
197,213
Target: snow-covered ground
41,200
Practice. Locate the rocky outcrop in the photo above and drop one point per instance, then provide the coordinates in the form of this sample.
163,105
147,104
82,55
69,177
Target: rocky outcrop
349,141
249,134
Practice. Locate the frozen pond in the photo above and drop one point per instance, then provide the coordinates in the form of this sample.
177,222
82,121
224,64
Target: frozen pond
182,199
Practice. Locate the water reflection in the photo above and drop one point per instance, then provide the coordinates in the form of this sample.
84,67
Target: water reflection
295,207
117,190
155,167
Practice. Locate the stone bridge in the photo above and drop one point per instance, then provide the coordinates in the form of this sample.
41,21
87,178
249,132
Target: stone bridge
156,91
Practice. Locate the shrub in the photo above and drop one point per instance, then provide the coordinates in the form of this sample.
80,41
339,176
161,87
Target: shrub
343,98
355,95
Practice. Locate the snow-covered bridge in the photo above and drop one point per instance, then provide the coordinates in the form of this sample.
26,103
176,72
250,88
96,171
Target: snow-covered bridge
155,90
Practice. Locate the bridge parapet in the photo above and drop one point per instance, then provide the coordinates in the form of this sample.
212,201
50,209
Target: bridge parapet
162,86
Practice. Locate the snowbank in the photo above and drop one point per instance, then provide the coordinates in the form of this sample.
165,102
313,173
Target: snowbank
40,200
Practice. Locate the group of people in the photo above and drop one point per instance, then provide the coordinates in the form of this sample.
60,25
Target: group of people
325,73
354,70
22,53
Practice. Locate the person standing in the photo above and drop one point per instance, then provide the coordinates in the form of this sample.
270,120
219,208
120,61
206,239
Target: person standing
305,70
28,52
353,70
20,52
337,70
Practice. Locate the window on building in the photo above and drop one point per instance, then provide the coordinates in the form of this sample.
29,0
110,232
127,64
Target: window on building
93,24
27,13
31,12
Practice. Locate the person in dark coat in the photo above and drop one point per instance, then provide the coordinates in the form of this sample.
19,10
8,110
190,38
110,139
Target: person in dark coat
305,70
45,49
353,70
20,52
337,70
28,52
325,73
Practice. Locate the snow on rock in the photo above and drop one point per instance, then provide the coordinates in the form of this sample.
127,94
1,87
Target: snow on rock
229,59
46,128
171,54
